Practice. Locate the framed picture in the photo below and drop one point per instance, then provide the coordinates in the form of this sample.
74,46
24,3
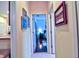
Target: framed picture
23,22
24,19
61,15
24,12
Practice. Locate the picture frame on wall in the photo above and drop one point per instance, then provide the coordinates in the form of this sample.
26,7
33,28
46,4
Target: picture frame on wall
61,15
25,20
24,12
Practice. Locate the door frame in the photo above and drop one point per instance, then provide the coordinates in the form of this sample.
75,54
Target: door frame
77,26
49,45
13,28
32,32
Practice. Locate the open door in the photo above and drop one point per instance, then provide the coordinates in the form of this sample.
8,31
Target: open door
39,33
41,44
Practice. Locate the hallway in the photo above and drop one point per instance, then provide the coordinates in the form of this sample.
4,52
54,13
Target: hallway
66,41
39,29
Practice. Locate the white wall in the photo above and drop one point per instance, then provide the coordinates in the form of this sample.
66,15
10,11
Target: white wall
4,44
27,39
66,36
4,18
23,36
19,43
4,8
13,28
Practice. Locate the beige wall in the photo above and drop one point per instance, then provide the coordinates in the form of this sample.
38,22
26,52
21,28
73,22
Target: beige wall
38,7
66,34
50,6
23,36
19,40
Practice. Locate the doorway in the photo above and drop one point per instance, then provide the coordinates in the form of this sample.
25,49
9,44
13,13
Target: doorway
39,33
41,43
